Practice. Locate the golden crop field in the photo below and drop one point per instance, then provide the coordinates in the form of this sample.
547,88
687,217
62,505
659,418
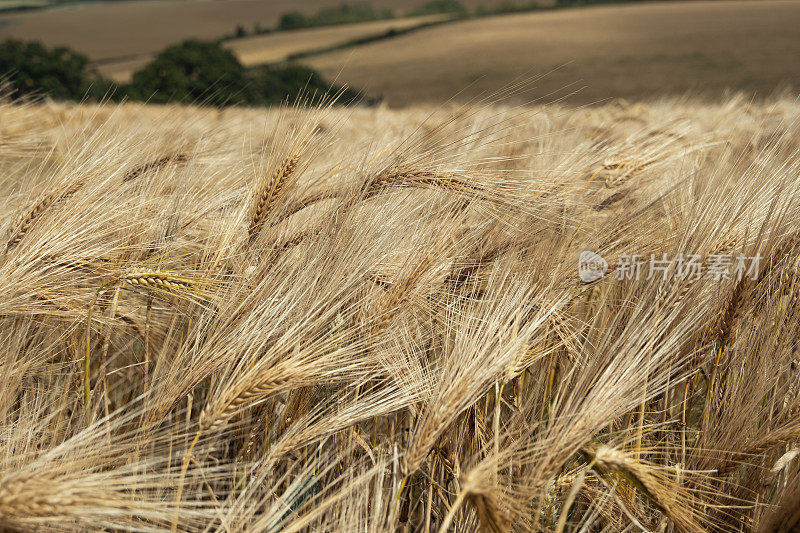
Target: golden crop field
278,46
442,318
274,47
628,50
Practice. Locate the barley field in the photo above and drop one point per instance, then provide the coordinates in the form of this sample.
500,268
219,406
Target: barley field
448,318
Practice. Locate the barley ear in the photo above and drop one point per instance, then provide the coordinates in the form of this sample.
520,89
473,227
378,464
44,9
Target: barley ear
268,195
604,459
152,165
27,220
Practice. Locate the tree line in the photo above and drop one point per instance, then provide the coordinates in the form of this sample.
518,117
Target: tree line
203,71
191,72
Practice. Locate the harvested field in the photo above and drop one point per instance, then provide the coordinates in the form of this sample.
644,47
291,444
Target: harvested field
119,29
274,47
631,51
278,46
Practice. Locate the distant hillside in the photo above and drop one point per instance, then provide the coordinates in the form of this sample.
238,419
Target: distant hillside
117,29
277,46
628,50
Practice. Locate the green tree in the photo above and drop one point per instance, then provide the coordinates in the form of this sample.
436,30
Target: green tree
442,6
34,70
328,16
347,13
287,83
192,72
293,20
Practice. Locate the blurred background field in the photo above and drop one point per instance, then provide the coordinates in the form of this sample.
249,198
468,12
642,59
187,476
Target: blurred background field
116,29
279,46
405,52
629,51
